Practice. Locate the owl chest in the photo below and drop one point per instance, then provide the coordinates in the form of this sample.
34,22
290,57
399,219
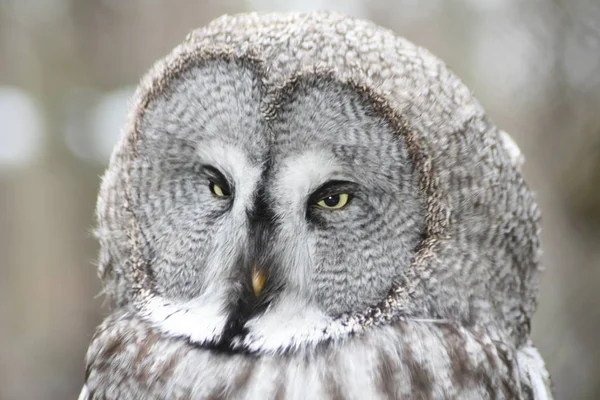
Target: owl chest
143,364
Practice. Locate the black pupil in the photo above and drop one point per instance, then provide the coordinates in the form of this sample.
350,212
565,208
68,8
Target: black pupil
332,201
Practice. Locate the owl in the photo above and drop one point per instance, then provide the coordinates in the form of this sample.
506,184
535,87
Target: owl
306,206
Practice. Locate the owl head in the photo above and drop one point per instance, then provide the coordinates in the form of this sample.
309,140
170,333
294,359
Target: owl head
286,180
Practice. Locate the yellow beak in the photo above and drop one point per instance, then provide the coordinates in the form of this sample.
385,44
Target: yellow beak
258,280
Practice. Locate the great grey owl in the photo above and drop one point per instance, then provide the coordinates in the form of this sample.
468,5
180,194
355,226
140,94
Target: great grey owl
306,206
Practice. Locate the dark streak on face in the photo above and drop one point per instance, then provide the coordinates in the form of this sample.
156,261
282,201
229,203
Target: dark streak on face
259,254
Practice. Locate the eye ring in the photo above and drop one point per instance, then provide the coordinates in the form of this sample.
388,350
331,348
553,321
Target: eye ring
217,190
334,202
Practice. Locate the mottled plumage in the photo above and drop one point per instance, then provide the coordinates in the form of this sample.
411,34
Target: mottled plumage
422,285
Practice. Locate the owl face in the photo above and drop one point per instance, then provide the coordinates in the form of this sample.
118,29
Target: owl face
250,220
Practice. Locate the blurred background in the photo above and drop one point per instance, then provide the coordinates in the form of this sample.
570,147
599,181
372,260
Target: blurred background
68,68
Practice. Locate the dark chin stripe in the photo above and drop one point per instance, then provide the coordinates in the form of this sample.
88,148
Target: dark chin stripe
239,313
245,305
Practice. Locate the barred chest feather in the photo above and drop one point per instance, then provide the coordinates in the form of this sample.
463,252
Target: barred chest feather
422,360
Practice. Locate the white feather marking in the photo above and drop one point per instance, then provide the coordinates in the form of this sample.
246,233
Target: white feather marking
200,320
298,177
245,176
84,394
512,148
532,365
289,324
233,163
302,174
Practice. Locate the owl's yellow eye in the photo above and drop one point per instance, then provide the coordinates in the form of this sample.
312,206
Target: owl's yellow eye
334,202
218,190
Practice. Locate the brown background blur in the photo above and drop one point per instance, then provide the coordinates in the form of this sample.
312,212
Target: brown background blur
67,69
